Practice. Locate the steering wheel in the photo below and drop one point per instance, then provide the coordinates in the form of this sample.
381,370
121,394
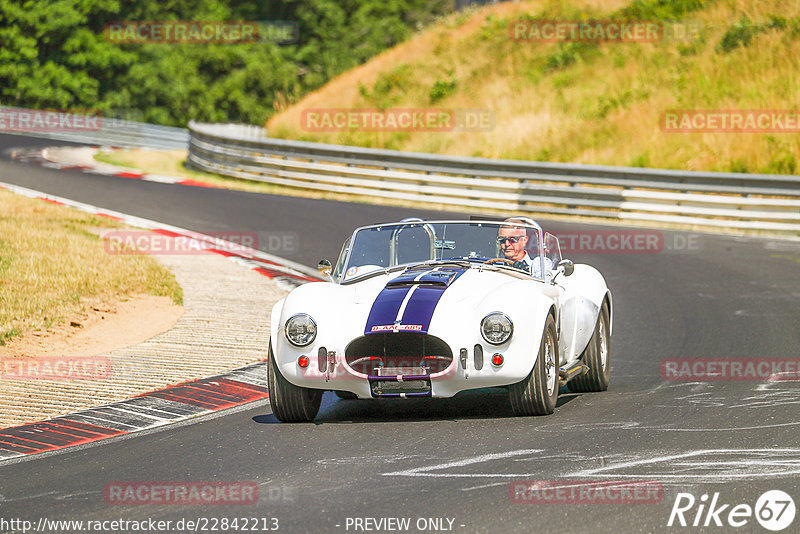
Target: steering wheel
495,260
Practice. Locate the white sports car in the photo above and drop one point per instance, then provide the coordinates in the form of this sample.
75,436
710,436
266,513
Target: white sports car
431,308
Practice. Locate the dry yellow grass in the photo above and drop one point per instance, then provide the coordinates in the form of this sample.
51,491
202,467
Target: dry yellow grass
602,108
50,260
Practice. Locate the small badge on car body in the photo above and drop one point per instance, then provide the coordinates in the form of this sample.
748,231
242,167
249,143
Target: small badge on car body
397,328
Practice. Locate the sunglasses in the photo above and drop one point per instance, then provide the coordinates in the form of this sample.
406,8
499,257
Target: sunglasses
512,240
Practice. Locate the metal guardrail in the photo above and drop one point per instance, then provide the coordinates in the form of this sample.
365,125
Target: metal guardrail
102,131
704,199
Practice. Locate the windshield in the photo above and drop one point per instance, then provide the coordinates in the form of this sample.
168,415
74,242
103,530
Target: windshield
512,244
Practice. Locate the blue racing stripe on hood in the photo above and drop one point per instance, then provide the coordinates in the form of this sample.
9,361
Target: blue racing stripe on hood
426,290
386,306
420,308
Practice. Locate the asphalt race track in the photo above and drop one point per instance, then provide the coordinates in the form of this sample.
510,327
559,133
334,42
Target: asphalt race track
453,460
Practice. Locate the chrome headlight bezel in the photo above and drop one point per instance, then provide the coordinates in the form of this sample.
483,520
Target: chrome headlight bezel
310,326
506,328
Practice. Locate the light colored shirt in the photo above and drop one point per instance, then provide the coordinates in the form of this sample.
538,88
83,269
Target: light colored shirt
534,266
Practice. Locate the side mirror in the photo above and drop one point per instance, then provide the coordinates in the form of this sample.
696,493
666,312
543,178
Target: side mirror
567,266
324,268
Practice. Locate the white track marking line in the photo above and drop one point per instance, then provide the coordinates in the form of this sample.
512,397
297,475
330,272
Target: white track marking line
657,459
425,471
485,486
601,471
611,471
161,178
731,429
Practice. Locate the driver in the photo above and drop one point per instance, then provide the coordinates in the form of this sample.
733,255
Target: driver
512,241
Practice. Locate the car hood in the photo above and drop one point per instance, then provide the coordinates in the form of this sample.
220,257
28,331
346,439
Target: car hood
408,301
418,299
414,300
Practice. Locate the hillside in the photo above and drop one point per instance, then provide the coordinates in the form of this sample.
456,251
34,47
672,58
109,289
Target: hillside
600,103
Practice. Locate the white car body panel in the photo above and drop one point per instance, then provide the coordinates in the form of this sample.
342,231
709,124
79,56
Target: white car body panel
341,312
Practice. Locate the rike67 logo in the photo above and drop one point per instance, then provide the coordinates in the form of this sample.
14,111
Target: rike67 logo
774,510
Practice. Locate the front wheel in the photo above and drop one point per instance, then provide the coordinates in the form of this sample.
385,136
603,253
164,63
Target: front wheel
597,357
538,393
290,403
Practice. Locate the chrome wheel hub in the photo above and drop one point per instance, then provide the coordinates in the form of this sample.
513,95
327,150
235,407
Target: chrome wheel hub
603,343
550,365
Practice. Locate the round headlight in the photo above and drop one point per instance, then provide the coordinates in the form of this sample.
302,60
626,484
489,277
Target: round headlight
301,330
496,328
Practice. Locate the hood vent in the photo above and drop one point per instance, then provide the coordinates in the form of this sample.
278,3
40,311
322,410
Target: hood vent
412,277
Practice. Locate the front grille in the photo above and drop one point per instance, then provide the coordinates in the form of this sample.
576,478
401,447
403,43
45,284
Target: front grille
372,353
396,371
386,388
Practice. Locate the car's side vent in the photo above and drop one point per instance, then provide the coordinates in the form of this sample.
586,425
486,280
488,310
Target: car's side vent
478,357
322,359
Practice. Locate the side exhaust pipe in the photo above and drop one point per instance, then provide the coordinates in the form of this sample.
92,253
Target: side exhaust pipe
570,371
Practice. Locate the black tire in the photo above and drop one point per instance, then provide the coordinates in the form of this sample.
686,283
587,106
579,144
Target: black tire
345,395
290,403
532,395
596,356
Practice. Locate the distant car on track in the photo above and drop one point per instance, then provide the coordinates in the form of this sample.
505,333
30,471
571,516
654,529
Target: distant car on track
430,308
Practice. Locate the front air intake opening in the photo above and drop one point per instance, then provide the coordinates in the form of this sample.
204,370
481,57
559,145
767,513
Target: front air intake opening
398,353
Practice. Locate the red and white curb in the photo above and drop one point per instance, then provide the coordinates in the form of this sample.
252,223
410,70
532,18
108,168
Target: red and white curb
286,273
166,406
144,412
38,156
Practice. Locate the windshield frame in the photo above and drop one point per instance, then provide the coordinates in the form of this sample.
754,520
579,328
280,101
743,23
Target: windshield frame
517,221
